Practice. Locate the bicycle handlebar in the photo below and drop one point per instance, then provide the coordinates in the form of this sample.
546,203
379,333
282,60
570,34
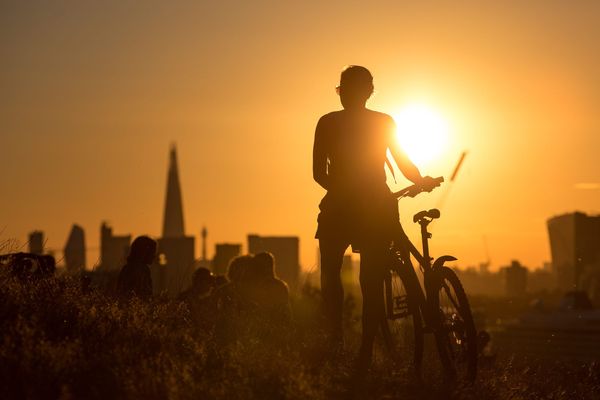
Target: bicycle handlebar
413,190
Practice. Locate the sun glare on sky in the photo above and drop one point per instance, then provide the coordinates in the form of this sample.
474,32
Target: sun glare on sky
422,133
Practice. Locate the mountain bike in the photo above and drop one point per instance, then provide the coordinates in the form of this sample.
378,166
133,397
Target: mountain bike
439,306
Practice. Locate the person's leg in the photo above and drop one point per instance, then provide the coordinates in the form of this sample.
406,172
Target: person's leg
373,265
332,256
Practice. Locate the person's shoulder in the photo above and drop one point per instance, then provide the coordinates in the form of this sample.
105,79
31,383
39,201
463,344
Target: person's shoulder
381,116
330,117
280,284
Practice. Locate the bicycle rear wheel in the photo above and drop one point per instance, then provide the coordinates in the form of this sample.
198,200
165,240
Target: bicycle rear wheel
456,336
404,337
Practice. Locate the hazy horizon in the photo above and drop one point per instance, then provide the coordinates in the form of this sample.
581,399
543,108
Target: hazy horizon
93,94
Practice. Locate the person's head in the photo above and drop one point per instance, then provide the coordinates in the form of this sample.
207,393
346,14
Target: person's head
203,280
356,86
264,265
143,250
238,267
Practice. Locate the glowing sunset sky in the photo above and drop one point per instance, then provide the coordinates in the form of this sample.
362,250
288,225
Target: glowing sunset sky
93,93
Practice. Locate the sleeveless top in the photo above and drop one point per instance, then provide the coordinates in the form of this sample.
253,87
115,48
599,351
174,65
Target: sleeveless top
358,204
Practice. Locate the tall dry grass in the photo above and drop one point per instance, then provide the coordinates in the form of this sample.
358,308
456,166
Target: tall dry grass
58,341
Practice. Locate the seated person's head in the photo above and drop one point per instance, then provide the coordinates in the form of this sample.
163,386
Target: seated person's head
203,280
143,250
264,265
238,268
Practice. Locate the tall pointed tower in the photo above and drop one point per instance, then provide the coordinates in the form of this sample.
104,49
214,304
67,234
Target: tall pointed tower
173,217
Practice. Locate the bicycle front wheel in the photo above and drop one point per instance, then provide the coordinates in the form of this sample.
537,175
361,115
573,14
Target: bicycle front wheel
456,336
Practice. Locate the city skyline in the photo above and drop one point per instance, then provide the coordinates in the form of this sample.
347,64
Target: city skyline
93,94
173,222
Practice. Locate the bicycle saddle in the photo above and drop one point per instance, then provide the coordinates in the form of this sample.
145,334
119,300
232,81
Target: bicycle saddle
433,214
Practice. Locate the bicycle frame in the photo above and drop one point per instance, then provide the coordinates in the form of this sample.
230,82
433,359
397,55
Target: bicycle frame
455,333
403,247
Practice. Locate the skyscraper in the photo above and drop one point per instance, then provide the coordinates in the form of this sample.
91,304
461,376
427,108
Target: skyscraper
36,242
224,253
515,279
176,251
575,248
173,217
75,250
113,248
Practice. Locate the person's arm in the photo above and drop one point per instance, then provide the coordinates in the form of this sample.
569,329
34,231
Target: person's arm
320,156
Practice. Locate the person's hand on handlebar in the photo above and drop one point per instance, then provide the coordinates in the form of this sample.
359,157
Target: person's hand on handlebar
428,183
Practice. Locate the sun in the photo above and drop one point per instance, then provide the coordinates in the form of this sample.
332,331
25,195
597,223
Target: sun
422,133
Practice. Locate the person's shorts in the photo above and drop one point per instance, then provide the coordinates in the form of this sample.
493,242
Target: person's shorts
358,221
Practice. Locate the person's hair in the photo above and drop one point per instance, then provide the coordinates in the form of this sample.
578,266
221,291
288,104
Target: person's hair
202,275
357,79
238,267
143,249
264,265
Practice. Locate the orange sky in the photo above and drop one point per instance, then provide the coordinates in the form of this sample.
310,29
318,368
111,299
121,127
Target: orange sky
91,95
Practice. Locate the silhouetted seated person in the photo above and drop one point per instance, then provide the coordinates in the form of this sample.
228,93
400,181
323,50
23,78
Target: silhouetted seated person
26,266
135,278
264,293
236,273
227,301
220,280
197,297
203,281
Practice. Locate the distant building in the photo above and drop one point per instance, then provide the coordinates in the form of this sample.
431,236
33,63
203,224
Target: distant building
176,264
575,248
173,216
203,262
515,279
475,282
224,253
540,280
204,234
113,249
286,252
74,251
177,257
36,242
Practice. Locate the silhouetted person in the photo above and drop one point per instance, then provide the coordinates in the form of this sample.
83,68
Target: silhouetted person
198,298
227,295
267,294
349,158
203,281
135,278
227,300
28,266
220,280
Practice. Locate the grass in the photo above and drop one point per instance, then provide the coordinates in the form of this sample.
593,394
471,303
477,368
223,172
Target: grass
58,341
